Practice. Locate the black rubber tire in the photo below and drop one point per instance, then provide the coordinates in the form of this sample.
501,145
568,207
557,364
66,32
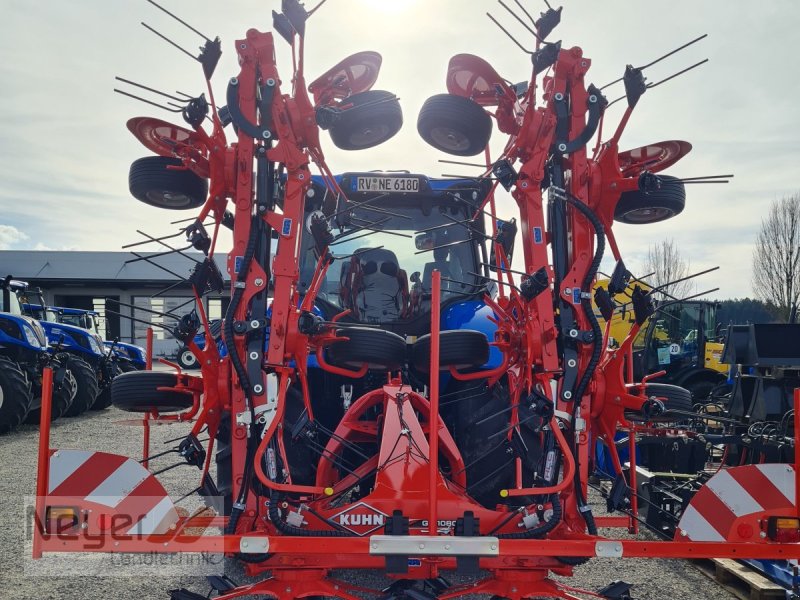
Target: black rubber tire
701,390
380,350
186,359
59,406
674,398
454,124
16,395
370,119
490,463
459,348
638,208
138,392
103,400
127,367
88,388
151,182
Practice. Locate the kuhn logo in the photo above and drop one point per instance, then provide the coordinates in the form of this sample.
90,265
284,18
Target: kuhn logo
361,519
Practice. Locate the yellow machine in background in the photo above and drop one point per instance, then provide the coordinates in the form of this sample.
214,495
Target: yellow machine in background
680,338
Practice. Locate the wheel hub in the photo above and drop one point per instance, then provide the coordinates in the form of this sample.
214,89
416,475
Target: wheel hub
370,136
649,215
169,199
450,139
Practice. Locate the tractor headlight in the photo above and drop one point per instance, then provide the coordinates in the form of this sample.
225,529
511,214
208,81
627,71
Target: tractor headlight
30,336
95,347
40,333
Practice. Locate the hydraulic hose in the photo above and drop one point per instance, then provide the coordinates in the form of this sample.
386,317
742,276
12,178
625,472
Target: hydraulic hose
284,527
541,530
597,348
241,372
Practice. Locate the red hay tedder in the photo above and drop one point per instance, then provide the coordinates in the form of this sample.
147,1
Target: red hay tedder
364,418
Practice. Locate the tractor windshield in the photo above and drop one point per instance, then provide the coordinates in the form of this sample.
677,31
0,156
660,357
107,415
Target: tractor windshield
389,253
82,320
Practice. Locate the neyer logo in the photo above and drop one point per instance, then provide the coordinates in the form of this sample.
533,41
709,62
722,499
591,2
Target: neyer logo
361,519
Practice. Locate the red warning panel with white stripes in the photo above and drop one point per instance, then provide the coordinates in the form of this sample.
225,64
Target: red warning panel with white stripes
730,506
115,493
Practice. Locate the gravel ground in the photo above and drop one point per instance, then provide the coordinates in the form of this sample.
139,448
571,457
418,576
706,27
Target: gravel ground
652,578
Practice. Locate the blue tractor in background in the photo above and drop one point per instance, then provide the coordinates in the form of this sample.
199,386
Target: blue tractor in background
24,353
130,357
90,363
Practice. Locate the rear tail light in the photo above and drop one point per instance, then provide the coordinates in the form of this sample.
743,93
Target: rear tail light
785,530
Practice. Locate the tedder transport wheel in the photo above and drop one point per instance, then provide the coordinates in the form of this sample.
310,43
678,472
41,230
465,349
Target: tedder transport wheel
366,120
674,398
138,391
104,397
15,395
454,124
461,348
639,208
152,182
187,359
380,350
88,388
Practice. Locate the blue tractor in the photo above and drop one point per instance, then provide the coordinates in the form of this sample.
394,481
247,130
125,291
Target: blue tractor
129,357
23,355
85,352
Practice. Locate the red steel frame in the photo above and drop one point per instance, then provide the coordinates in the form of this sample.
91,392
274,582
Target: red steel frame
527,335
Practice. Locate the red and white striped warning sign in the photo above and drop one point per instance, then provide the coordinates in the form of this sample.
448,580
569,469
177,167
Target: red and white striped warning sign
729,505
116,488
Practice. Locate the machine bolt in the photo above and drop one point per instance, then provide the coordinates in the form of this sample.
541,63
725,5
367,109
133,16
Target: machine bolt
447,546
266,134
573,333
494,546
254,323
270,82
422,546
524,185
254,355
301,177
583,63
234,81
571,362
374,546
242,46
567,395
310,193
259,282
562,147
244,543
258,388
592,99
559,96
567,291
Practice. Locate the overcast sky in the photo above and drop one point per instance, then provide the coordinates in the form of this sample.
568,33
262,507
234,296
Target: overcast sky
65,151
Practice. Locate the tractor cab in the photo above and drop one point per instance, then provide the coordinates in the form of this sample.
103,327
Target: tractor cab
390,235
680,338
9,303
